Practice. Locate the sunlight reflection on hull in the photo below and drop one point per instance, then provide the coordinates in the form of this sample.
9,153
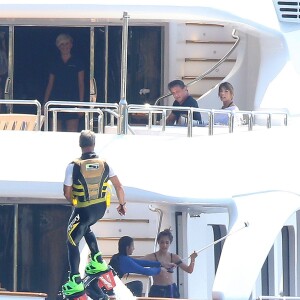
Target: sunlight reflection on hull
121,291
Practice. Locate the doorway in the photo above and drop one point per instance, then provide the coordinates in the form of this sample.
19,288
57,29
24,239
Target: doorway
3,62
143,67
35,49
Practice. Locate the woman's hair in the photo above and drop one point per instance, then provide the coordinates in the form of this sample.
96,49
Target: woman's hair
124,242
63,37
167,233
227,86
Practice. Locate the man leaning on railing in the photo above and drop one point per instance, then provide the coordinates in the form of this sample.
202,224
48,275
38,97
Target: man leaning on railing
184,99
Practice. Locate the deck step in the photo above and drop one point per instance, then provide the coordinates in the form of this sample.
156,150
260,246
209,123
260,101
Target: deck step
136,239
196,96
109,245
108,257
207,60
205,78
209,42
204,24
124,220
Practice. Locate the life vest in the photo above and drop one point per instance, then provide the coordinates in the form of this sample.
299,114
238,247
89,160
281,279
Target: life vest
90,182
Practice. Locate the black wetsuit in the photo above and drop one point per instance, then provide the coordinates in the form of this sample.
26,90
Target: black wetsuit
83,218
79,226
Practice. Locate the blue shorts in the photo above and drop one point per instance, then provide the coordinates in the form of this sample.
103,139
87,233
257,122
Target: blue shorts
164,291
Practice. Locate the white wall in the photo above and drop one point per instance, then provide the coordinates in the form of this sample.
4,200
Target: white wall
265,75
197,235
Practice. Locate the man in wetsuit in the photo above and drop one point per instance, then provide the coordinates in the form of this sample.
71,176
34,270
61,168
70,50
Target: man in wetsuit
184,99
85,187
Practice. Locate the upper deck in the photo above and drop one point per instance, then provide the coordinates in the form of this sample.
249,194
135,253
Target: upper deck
146,146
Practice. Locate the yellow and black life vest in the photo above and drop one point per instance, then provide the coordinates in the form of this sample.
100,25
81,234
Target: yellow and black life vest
90,182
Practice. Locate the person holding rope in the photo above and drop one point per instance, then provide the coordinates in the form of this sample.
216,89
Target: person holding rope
163,283
123,263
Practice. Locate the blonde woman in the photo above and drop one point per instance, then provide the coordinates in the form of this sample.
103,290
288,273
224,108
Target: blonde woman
163,283
66,81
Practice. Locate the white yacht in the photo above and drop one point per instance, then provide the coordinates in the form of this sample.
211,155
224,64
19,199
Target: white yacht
229,192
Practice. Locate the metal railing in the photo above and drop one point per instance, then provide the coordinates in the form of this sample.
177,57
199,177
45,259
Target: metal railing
161,214
65,106
27,102
232,115
278,298
123,116
200,77
86,112
152,110
112,109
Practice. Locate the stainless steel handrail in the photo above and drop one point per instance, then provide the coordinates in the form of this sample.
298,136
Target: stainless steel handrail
117,116
134,108
147,109
79,105
27,102
250,115
278,298
197,79
269,114
160,213
123,120
230,114
113,114
87,111
152,109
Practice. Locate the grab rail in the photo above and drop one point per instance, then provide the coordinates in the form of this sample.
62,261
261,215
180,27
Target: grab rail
152,109
55,110
163,109
160,213
209,70
277,298
79,105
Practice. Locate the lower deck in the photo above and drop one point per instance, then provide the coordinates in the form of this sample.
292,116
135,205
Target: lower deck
22,295
42,296
201,212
